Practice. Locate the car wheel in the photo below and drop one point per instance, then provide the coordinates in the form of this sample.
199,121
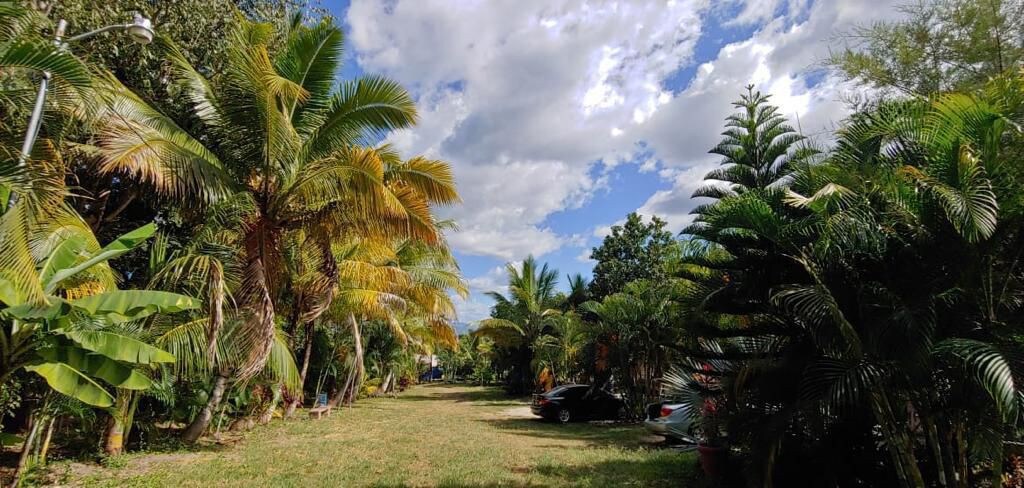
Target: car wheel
564,416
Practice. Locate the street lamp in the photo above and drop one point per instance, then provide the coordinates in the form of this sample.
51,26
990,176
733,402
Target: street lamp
140,29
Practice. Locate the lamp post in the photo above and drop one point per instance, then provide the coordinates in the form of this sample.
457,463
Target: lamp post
140,29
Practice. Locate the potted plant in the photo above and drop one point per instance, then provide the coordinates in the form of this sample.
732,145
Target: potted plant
713,453
702,395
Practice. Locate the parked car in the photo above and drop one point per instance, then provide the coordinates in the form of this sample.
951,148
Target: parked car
672,420
568,403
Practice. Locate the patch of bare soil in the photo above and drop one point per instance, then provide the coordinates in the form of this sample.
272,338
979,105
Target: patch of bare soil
516,413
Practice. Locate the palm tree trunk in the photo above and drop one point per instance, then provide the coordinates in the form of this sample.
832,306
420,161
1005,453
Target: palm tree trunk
937,451
898,442
268,412
360,368
259,331
216,310
308,348
202,421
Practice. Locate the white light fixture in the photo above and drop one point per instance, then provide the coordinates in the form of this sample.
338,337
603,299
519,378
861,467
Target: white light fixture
141,30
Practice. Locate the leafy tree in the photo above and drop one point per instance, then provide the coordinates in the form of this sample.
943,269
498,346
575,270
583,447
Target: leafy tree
860,299
758,150
634,250
279,139
935,46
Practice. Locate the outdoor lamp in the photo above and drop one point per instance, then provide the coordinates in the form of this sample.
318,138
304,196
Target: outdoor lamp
140,30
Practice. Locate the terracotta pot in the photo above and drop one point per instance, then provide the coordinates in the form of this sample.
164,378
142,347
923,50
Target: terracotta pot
714,460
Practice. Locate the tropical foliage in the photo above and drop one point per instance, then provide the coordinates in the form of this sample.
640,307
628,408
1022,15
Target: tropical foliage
284,230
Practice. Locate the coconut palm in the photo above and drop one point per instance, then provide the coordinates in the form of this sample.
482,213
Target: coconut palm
276,132
521,318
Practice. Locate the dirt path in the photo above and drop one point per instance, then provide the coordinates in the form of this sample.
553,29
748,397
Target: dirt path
435,435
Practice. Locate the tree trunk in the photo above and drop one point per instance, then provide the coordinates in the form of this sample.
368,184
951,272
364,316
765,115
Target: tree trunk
297,399
340,395
386,386
26,449
113,443
216,305
898,442
260,243
360,368
268,412
937,451
46,441
202,421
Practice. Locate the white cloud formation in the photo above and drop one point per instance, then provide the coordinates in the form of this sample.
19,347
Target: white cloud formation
524,98
779,59
674,205
478,306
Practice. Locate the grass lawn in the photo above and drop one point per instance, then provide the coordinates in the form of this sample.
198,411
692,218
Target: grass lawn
434,435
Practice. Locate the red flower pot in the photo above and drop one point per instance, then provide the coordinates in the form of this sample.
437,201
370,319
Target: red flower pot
713,460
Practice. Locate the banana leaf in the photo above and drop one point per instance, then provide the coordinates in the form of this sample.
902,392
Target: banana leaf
97,366
71,382
119,246
34,313
124,305
118,347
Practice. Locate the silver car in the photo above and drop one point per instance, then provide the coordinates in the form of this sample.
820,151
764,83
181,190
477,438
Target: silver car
672,420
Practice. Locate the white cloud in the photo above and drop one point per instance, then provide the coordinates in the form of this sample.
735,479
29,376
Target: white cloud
603,231
779,60
674,205
495,279
521,97
478,306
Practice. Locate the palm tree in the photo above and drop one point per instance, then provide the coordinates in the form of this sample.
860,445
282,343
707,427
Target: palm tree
277,134
638,326
404,284
579,291
522,317
561,348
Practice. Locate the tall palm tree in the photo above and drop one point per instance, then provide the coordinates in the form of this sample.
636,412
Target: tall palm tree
523,316
277,134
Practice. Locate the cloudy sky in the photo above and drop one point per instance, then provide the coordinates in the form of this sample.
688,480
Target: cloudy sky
562,116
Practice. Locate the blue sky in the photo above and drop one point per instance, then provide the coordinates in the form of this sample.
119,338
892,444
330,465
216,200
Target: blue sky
559,117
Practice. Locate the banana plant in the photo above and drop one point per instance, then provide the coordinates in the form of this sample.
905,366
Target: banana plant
60,334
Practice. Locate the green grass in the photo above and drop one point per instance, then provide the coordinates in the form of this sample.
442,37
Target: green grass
437,435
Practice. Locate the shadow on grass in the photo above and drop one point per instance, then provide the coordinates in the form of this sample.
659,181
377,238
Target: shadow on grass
675,471
592,434
652,471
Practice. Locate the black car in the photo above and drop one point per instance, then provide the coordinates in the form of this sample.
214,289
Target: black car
567,403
